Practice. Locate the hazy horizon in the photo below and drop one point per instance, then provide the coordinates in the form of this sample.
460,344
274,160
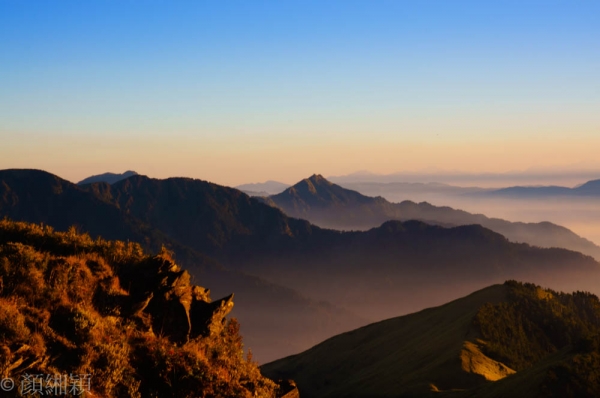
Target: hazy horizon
487,180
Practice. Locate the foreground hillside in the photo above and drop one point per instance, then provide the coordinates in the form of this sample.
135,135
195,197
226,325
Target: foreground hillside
332,206
133,323
511,340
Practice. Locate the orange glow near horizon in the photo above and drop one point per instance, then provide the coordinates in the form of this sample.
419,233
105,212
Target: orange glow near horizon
243,159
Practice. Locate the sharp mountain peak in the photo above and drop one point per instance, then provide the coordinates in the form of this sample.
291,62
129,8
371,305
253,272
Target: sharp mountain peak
312,182
317,178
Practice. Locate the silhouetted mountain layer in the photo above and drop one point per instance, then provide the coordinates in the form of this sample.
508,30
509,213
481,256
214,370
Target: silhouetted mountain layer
511,340
590,188
247,236
40,197
331,206
390,270
109,178
289,322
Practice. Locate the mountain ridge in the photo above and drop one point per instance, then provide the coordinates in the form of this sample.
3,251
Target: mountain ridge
590,188
468,347
332,206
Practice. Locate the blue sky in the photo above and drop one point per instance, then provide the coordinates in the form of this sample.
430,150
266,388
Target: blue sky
291,88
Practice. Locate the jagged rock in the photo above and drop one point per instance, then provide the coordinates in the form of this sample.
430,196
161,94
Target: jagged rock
287,389
178,309
201,294
209,318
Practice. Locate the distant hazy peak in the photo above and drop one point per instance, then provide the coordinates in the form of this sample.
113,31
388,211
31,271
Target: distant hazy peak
269,187
590,188
593,184
318,192
312,184
109,178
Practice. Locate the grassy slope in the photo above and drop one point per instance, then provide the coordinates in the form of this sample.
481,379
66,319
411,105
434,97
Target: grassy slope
398,356
464,349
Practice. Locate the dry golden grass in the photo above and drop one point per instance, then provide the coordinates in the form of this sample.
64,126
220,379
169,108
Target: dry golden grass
60,314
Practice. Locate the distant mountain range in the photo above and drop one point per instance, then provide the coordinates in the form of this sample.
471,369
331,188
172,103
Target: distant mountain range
110,178
526,178
511,340
410,190
268,187
301,282
393,185
330,206
590,188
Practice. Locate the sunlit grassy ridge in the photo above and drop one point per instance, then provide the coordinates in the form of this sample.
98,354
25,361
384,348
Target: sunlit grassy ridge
470,347
67,307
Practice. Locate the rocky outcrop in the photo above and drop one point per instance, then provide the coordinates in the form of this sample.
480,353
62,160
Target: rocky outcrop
71,306
208,318
287,389
476,362
162,298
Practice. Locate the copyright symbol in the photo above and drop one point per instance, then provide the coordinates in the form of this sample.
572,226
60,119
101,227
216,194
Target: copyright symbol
7,384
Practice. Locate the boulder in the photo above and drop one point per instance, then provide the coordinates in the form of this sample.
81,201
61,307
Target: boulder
178,309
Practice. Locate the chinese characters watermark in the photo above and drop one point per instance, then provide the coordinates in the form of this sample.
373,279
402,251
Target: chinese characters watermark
48,384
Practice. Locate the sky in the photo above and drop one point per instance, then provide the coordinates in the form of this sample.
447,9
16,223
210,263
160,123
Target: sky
246,91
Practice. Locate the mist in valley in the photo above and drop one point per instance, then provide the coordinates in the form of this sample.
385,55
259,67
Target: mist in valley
579,214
